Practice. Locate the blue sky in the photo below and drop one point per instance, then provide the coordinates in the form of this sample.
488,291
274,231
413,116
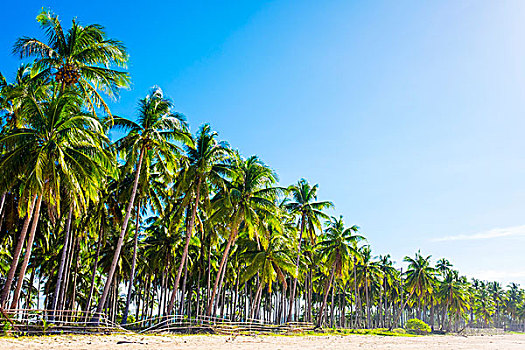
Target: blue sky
409,115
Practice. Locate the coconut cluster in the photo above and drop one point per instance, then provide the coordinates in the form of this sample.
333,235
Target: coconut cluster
67,74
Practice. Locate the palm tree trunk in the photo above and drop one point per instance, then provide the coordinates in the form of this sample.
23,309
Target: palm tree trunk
2,211
294,285
257,302
30,287
367,303
116,255
186,248
332,304
184,279
231,239
355,291
327,286
396,319
75,275
27,255
16,254
198,297
62,260
133,265
94,273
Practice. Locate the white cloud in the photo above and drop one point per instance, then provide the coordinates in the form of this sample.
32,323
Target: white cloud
512,231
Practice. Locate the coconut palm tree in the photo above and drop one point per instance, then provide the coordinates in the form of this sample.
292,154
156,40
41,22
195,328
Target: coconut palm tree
149,139
304,204
59,146
246,199
337,248
82,56
420,281
453,292
368,273
206,165
271,261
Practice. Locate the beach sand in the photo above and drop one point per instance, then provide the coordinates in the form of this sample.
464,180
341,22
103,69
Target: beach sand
507,341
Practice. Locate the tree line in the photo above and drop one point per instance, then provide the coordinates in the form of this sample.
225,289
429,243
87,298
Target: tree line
162,221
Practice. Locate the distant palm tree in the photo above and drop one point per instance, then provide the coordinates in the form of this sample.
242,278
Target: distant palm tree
271,260
304,204
453,292
206,165
247,198
368,273
337,247
420,281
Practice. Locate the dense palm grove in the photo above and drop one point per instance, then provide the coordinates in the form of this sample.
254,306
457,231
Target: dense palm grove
161,221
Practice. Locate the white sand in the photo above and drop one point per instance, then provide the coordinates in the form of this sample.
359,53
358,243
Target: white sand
201,342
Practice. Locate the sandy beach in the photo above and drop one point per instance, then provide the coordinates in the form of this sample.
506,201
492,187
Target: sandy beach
509,341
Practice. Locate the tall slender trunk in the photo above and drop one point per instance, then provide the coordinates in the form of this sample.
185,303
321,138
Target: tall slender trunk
310,292
116,256
208,275
27,255
257,301
327,286
133,265
16,254
355,291
332,304
189,231
62,260
67,273
231,239
396,318
29,289
294,285
367,302
2,211
198,297
184,279
95,264
75,275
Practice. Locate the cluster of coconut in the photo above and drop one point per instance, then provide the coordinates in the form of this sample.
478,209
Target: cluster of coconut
67,74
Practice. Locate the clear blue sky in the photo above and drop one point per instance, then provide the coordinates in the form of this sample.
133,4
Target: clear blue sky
410,115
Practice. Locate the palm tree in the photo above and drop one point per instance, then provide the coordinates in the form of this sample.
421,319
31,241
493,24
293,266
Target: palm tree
368,272
81,56
271,261
390,275
246,198
337,247
310,213
453,292
420,280
149,138
58,146
206,158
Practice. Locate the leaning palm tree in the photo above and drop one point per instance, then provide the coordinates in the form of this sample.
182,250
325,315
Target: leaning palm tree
206,165
149,139
247,198
82,56
59,147
310,213
337,247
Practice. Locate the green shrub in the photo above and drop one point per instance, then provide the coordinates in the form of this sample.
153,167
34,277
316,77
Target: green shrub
417,326
399,331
